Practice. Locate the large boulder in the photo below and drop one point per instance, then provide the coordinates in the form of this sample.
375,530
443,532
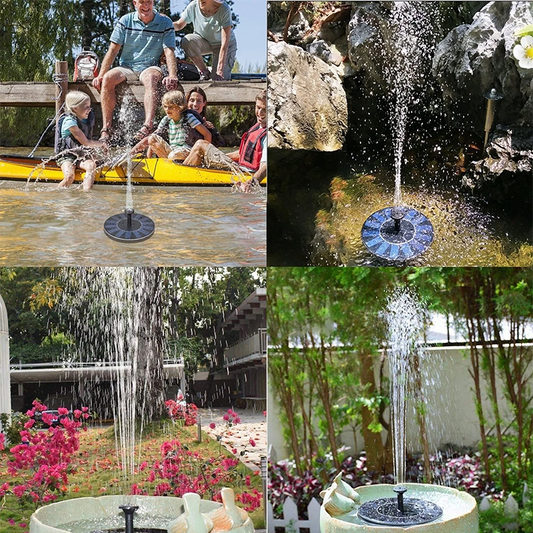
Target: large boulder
474,58
307,107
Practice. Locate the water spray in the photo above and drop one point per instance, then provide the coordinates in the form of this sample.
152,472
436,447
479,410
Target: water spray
129,226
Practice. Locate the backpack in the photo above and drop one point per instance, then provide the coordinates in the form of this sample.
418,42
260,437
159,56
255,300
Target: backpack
187,71
86,66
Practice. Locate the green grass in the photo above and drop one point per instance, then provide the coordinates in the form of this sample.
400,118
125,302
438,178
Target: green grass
97,473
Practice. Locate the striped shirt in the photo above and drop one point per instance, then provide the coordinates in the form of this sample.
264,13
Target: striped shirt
176,130
142,44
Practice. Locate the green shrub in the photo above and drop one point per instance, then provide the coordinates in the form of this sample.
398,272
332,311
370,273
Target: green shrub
12,429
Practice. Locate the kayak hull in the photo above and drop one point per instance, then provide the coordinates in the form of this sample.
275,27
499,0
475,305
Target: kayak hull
150,171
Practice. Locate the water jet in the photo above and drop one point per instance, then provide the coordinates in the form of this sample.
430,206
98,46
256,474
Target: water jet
128,226
400,233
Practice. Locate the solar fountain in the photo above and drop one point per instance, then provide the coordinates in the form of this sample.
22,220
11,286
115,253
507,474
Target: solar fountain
127,305
400,233
419,507
128,226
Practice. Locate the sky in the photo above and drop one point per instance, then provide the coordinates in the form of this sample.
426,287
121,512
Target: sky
250,32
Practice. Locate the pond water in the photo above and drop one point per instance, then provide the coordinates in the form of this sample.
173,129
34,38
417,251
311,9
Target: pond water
319,202
194,226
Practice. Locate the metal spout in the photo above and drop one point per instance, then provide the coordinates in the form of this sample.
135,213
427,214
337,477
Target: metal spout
397,213
400,492
129,213
129,510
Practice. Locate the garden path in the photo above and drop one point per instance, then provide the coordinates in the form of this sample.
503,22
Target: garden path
251,426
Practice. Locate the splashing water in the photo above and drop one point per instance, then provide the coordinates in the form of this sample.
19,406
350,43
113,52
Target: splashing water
126,119
126,305
405,318
411,42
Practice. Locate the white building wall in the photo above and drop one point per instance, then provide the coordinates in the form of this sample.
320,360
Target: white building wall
5,379
451,419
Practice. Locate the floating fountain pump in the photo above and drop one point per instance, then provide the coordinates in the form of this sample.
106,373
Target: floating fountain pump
399,511
129,511
129,226
397,233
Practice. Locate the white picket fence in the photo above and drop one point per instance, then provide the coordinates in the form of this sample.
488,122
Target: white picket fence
291,523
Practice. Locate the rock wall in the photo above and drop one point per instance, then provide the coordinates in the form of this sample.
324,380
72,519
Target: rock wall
308,82
474,58
307,107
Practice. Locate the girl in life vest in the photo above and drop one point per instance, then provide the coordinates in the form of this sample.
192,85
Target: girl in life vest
74,140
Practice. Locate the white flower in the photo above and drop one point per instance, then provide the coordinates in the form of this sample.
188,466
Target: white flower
524,52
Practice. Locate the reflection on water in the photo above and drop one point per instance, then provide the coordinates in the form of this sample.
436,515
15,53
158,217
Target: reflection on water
193,226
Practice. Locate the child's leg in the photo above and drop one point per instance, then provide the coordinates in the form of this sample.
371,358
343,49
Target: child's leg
158,146
89,166
179,154
69,172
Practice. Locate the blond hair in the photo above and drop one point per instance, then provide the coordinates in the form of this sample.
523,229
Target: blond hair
75,99
174,98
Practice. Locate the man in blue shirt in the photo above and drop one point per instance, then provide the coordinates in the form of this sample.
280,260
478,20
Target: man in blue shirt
143,36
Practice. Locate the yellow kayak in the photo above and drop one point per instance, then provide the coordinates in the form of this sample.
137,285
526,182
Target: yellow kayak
151,171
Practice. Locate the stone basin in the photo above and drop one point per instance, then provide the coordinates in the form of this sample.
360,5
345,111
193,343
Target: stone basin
84,515
459,514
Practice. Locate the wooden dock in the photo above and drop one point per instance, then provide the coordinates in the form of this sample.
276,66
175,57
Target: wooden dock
45,94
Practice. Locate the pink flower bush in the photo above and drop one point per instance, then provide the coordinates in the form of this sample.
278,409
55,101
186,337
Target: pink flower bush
182,470
180,411
44,458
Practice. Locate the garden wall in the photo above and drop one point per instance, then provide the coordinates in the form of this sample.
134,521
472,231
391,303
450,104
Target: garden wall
452,417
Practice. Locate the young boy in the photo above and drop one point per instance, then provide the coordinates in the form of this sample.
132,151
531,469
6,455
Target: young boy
178,122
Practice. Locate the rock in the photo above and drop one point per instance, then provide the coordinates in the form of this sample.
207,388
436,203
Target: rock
323,50
367,31
476,57
509,150
307,106
298,28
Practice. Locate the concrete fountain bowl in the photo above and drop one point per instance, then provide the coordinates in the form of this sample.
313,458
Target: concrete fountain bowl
339,511
101,514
